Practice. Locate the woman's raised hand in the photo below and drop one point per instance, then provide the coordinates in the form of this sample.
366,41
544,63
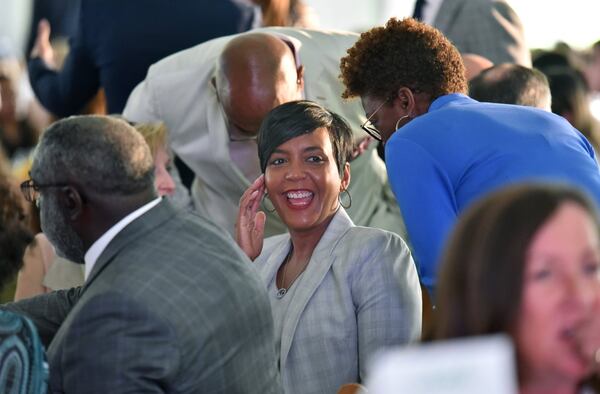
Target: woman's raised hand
250,224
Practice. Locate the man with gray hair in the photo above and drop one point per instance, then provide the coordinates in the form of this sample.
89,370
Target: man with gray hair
169,304
512,84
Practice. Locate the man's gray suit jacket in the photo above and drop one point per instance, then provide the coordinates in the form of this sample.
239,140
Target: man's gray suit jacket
489,28
171,306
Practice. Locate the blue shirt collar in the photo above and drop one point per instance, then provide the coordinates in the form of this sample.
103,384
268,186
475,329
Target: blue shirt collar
446,99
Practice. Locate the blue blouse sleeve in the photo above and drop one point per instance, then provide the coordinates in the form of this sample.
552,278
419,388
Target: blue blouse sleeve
426,198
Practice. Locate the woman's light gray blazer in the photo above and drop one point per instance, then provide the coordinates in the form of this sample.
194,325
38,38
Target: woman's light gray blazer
359,293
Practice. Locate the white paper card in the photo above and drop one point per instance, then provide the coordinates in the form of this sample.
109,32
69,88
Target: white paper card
464,366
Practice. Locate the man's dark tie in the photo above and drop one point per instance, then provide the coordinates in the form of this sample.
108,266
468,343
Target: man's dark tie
418,13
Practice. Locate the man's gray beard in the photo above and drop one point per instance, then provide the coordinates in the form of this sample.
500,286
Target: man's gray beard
59,232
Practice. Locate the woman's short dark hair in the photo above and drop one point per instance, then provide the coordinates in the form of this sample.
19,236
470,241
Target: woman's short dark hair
404,53
296,118
481,277
15,234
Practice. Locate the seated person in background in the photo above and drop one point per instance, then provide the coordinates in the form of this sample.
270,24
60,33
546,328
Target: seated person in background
338,292
170,303
44,272
22,362
525,261
571,100
511,84
438,158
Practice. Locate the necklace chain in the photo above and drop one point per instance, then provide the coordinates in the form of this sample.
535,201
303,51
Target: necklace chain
281,290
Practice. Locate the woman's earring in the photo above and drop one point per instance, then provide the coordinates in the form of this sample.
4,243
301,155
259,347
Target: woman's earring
349,199
265,199
400,120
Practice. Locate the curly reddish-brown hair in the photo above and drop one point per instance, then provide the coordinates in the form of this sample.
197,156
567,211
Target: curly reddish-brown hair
404,53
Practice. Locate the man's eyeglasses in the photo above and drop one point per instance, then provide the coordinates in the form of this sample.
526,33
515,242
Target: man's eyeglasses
30,190
368,126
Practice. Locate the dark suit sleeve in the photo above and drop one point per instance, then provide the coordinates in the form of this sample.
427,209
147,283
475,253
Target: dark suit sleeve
116,345
67,91
47,311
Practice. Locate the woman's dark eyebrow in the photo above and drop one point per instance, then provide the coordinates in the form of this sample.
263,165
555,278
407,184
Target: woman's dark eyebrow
307,149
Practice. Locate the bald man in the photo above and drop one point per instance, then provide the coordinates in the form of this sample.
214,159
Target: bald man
509,83
214,96
475,64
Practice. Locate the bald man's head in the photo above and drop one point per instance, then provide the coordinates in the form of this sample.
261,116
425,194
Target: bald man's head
512,84
475,64
256,73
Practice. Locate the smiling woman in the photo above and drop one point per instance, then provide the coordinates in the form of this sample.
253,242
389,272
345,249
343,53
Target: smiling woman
338,292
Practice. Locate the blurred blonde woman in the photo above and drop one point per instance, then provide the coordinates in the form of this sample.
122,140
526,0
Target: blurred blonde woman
44,272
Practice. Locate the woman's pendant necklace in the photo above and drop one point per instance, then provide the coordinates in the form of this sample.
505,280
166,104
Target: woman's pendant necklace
282,291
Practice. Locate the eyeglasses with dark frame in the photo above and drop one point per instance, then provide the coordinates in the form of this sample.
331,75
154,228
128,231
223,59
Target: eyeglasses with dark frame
30,190
368,127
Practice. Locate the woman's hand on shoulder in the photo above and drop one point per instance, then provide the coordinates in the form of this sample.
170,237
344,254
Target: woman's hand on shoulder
250,224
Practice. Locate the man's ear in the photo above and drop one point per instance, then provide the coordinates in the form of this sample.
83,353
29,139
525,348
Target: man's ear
72,202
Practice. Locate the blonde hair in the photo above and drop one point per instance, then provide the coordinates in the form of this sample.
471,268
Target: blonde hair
155,135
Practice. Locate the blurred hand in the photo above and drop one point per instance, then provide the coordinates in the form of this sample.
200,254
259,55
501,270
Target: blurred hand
42,47
362,146
250,224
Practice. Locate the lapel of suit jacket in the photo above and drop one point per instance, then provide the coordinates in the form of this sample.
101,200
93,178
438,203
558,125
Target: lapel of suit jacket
447,13
140,226
269,268
320,262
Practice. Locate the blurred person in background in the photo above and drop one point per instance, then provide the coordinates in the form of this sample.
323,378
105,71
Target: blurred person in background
21,120
490,28
525,261
509,83
63,16
592,70
117,41
571,100
22,361
294,13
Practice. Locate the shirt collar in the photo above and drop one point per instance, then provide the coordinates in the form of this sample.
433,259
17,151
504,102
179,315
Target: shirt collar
94,252
442,101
